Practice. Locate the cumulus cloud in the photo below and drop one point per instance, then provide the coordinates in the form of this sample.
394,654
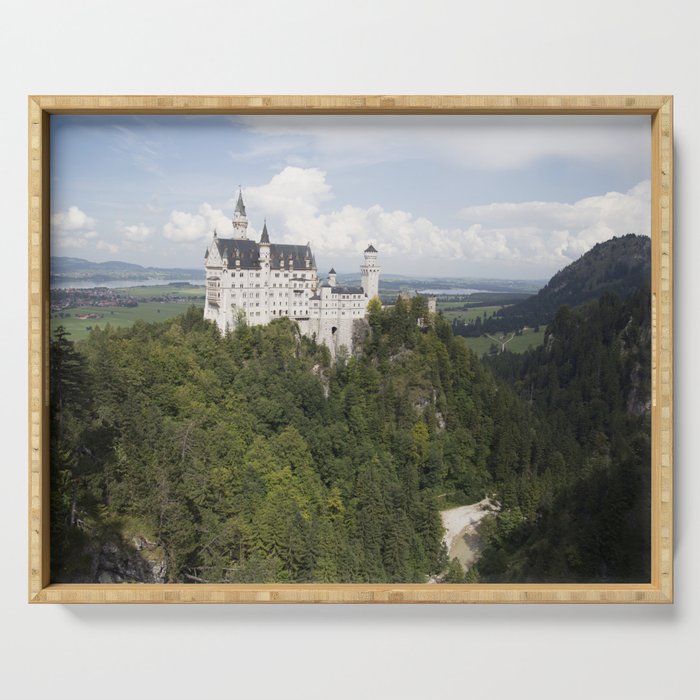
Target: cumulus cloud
536,236
553,234
185,227
294,190
134,232
72,228
528,238
73,220
108,247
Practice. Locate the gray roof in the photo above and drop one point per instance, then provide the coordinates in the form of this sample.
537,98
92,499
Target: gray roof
265,238
347,290
248,252
240,207
331,271
370,249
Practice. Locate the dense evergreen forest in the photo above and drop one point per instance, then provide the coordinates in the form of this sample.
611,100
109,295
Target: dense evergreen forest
181,455
590,382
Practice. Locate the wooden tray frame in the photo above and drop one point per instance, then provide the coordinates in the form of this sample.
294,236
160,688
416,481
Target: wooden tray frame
659,590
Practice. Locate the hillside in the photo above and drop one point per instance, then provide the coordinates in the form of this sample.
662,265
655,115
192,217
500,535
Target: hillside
253,457
66,268
181,455
64,264
590,384
619,266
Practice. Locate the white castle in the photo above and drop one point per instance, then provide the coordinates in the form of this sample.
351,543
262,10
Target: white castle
259,282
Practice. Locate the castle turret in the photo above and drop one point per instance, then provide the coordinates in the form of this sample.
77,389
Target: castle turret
240,220
331,278
265,246
369,272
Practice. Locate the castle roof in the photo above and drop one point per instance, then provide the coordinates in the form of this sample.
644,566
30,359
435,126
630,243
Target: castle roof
248,252
331,271
265,238
347,290
240,207
370,249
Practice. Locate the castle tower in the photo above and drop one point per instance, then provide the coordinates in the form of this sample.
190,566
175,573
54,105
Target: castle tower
332,278
264,246
369,271
240,220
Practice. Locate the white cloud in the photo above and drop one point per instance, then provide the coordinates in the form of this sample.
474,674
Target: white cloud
184,227
108,247
298,190
530,239
73,219
553,234
134,232
72,228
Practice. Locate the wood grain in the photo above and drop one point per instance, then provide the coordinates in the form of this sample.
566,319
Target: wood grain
351,104
658,107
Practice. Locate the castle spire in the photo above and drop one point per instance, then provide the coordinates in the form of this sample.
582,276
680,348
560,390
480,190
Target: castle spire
240,220
240,207
265,238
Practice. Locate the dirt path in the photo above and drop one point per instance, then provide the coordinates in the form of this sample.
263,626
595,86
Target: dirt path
462,530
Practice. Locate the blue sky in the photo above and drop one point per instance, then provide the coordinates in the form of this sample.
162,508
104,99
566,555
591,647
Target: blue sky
516,197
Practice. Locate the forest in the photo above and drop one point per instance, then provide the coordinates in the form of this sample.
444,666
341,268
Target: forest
180,455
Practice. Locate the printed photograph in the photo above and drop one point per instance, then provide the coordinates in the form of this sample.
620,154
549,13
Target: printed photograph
350,349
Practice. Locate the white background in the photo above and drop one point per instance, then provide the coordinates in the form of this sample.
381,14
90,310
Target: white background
531,46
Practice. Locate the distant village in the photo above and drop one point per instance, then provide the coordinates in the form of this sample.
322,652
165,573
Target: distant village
64,299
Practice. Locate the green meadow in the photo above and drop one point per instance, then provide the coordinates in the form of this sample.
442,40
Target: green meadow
119,316
146,291
452,310
520,343
150,311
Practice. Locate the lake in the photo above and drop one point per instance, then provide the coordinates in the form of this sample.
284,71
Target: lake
119,284
461,291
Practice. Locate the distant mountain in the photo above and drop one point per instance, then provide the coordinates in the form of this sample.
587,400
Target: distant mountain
63,264
65,268
620,266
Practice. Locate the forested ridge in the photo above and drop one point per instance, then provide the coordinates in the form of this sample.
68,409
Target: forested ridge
181,455
617,266
590,381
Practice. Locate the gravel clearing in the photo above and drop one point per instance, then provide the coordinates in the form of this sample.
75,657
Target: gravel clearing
461,530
